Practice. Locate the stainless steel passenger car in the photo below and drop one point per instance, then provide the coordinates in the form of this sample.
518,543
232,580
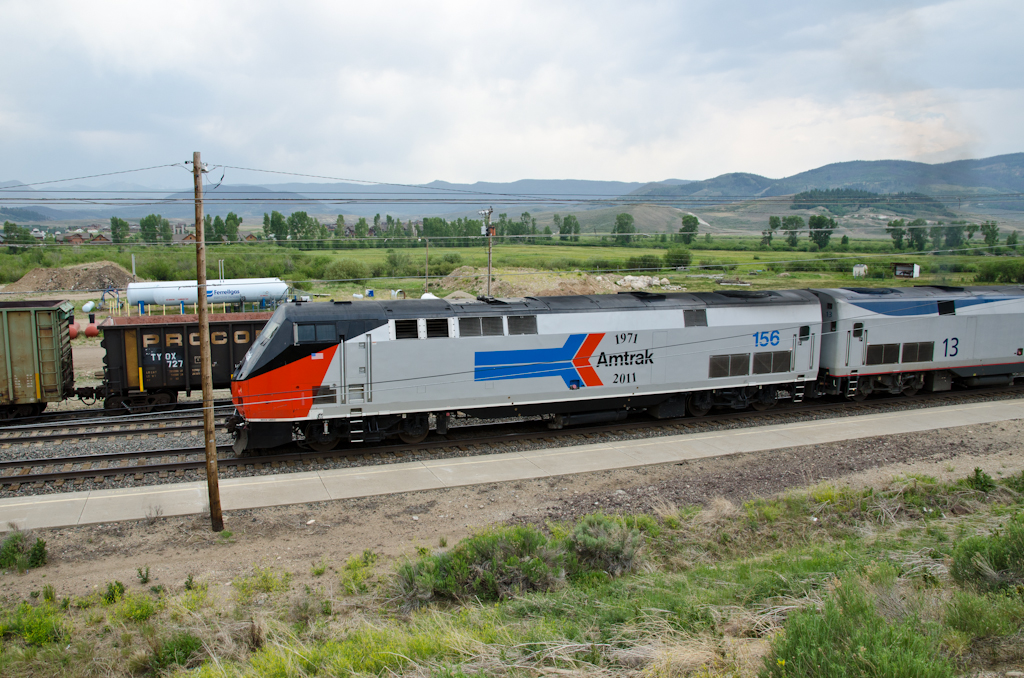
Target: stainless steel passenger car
912,338
360,371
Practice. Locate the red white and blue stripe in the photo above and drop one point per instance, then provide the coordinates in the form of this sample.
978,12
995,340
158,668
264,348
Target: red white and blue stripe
571,362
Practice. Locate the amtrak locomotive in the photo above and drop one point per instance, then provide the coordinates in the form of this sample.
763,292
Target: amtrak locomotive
362,371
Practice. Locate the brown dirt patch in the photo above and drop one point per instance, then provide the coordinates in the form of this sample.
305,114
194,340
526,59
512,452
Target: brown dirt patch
94,276
527,282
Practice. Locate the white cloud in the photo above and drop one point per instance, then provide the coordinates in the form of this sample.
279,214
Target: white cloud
462,91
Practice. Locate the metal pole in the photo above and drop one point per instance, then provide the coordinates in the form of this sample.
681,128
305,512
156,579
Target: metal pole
209,431
487,222
426,269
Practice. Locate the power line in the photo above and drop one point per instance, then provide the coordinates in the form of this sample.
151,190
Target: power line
91,176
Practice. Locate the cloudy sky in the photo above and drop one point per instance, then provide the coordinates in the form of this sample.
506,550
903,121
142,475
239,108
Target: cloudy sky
483,91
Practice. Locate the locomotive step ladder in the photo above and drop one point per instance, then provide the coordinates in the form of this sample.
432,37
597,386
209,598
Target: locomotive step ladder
798,392
851,384
355,430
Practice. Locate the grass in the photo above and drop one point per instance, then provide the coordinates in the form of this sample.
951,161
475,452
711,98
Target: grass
827,581
345,271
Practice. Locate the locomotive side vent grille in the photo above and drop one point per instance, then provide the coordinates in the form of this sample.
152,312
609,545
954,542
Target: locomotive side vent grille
695,318
735,365
324,395
406,329
437,327
772,362
522,324
469,327
883,354
492,326
918,353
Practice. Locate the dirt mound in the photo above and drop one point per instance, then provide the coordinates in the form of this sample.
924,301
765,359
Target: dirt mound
526,282
97,275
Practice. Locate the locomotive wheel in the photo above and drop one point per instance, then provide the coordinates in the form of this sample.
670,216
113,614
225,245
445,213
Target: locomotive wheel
322,445
761,407
910,392
316,440
699,404
413,438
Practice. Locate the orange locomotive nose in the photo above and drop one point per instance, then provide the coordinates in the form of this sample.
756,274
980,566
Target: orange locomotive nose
285,392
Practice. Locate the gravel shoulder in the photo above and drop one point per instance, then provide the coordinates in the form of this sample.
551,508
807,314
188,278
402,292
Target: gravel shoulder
295,537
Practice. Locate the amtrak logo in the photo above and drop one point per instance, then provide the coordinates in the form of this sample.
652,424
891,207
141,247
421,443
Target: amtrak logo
571,362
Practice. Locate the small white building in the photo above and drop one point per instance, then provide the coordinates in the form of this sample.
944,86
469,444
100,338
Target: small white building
906,271
860,270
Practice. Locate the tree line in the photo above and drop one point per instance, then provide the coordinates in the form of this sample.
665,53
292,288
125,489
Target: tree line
916,235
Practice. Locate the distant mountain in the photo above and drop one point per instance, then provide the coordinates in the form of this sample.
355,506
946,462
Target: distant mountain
999,174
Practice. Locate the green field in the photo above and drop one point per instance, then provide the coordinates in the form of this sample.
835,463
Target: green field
341,272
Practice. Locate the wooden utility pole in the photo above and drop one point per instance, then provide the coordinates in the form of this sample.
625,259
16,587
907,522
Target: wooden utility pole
205,365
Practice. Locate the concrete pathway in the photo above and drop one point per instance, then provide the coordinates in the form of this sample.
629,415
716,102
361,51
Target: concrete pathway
102,506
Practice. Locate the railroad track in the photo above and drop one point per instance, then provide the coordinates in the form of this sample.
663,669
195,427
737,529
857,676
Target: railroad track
116,428
100,413
17,474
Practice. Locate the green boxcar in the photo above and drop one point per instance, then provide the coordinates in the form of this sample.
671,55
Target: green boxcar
35,356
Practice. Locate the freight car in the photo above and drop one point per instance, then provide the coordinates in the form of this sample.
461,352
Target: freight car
148,360
363,371
35,356
354,372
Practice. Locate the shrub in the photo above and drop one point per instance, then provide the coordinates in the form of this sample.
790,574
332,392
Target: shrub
262,580
15,552
114,592
348,270
985,616
849,638
980,481
602,542
992,562
492,565
644,262
678,256
178,650
35,625
1003,271
135,607
356,571
806,265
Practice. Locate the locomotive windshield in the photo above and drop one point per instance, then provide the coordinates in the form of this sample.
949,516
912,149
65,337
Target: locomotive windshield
257,348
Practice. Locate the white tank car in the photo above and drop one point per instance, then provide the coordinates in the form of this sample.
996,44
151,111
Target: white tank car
174,292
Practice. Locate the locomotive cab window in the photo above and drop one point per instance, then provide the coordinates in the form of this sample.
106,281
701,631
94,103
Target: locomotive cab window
805,332
947,308
522,324
319,333
858,329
